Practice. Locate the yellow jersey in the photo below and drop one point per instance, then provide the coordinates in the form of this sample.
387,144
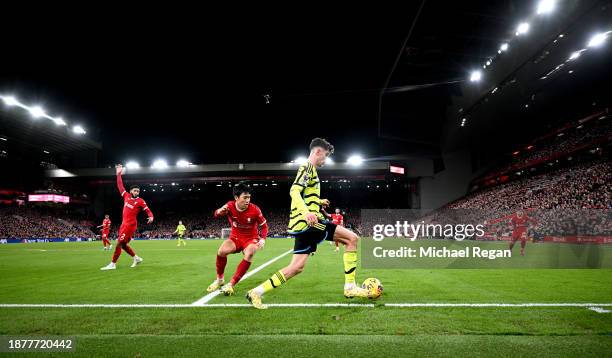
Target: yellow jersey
305,195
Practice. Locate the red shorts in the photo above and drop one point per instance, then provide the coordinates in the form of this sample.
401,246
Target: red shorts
242,244
519,233
126,233
105,234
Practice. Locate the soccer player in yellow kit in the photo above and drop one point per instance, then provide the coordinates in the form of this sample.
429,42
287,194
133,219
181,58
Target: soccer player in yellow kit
309,227
180,229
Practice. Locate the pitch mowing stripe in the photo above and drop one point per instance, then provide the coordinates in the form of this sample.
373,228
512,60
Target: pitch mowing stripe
204,300
303,305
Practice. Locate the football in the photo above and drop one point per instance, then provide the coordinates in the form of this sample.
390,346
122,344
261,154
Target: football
374,287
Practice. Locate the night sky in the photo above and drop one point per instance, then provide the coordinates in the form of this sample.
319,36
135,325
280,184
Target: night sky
183,82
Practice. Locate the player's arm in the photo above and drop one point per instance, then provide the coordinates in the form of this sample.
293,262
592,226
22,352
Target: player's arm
495,221
325,213
222,211
295,192
122,191
146,209
263,229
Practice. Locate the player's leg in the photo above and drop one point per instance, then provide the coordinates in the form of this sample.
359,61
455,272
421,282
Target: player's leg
523,242
298,262
117,253
127,248
337,245
350,240
241,269
227,247
513,239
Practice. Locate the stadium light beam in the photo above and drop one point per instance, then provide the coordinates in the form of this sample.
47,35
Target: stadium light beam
37,112
132,165
475,76
182,163
522,28
10,101
355,160
300,160
160,164
546,6
78,130
59,121
598,39
503,47
329,161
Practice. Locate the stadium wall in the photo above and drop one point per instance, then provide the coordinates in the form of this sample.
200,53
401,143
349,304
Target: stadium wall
448,184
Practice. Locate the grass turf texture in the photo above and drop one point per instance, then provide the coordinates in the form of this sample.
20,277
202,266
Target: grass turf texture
69,273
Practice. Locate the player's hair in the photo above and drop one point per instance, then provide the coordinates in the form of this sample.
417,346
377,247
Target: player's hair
240,188
134,187
322,143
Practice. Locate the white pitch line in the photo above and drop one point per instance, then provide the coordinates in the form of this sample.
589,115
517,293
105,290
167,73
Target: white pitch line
599,309
204,300
592,306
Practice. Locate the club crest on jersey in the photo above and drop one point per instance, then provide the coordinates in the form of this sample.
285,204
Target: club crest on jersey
305,179
249,220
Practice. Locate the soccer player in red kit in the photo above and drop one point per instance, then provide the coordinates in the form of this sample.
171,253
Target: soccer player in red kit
132,206
337,219
519,222
246,221
106,223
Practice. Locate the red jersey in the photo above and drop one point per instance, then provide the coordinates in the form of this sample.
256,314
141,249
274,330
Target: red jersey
131,206
245,224
519,222
337,219
106,223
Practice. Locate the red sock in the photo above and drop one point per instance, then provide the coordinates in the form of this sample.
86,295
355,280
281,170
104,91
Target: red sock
242,268
523,242
129,250
117,253
221,262
336,243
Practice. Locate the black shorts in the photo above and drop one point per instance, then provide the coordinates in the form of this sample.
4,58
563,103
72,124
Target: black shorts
306,241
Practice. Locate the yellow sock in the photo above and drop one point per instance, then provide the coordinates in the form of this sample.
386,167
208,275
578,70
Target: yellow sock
273,282
350,266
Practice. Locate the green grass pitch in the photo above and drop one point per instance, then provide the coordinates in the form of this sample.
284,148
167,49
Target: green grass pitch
68,273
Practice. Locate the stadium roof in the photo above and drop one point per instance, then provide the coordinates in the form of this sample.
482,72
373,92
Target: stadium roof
416,168
36,134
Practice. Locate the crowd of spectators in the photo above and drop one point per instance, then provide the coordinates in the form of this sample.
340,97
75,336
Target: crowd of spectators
562,142
570,201
33,222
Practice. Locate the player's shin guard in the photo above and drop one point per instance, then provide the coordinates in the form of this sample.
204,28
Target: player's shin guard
221,262
350,266
242,268
273,282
